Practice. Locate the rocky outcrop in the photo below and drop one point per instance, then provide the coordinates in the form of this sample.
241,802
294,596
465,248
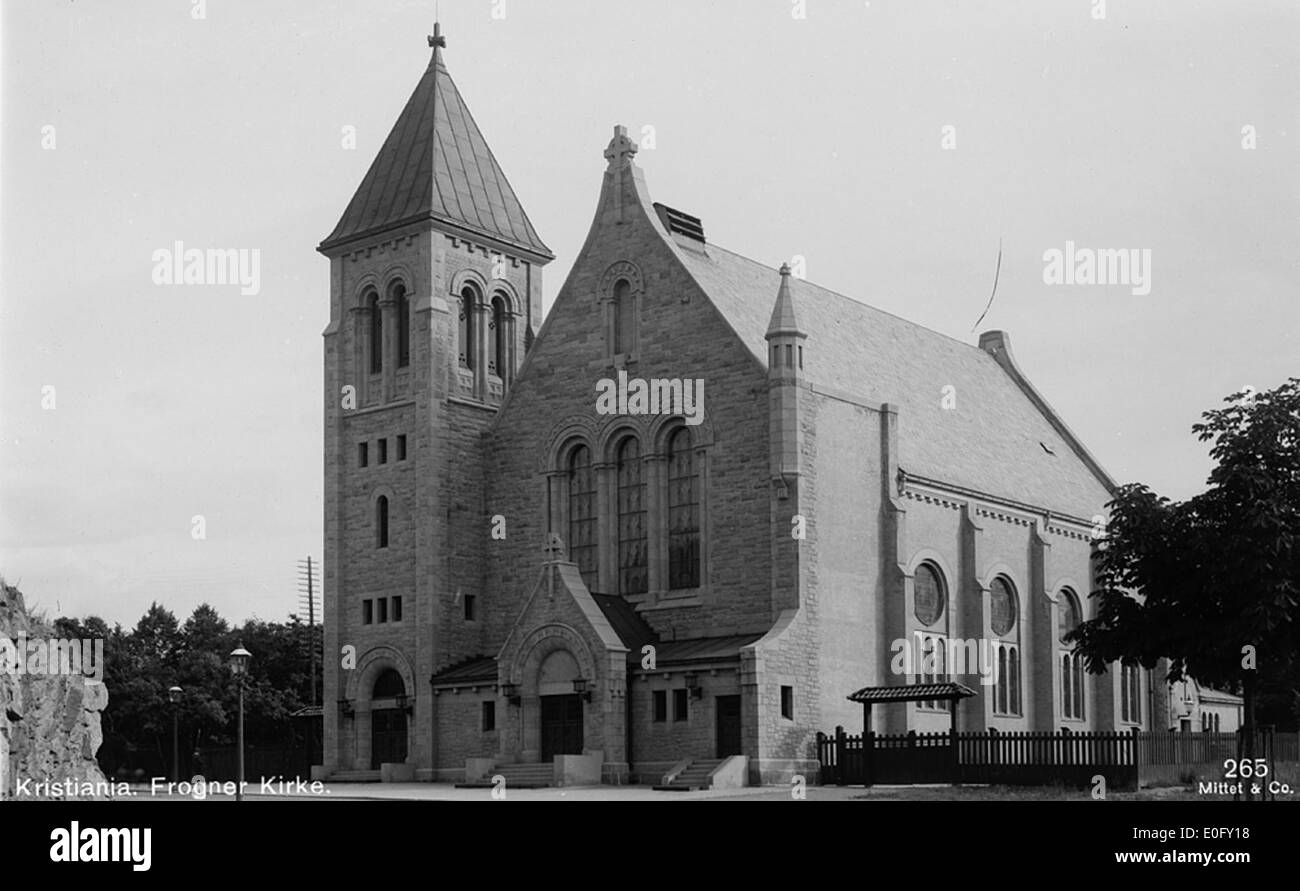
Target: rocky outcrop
49,722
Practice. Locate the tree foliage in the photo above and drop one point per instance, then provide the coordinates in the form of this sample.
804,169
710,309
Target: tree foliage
1212,583
143,663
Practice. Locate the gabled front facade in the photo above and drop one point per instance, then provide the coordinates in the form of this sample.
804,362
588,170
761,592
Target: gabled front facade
680,524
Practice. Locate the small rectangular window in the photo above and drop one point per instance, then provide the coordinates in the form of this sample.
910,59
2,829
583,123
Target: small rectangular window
787,703
382,603
397,609
661,706
470,608
363,454
401,447
679,704
489,716
367,612
383,451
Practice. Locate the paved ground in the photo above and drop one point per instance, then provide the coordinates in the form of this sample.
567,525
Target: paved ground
446,792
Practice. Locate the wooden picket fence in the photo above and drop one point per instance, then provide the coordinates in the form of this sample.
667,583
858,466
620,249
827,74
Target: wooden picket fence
1033,758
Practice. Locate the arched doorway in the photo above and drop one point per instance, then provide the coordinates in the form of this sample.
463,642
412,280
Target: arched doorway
560,707
388,735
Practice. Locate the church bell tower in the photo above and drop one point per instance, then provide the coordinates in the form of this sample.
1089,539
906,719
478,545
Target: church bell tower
435,295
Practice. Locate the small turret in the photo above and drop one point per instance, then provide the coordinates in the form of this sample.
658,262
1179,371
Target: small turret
785,355
784,374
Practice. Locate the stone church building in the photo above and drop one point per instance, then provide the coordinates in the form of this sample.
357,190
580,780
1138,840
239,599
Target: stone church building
521,581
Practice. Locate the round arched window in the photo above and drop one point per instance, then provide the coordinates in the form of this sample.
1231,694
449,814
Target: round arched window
928,590
1068,614
1002,605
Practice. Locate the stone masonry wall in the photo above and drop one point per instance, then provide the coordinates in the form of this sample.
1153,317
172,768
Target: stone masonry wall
49,724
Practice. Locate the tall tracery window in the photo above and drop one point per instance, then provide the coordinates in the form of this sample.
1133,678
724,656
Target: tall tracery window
403,307
632,562
468,300
376,334
683,513
624,317
497,325
582,513
1003,613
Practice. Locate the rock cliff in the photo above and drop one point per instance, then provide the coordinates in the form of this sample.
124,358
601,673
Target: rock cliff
49,721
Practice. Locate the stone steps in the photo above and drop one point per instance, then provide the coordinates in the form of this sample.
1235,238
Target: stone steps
695,776
517,776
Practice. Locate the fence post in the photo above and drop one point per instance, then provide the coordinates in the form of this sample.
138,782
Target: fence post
821,757
841,749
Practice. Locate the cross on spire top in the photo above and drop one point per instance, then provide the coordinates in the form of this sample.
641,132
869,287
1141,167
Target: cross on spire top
621,148
436,39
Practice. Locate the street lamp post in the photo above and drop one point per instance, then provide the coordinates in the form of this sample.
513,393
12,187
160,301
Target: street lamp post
239,658
174,696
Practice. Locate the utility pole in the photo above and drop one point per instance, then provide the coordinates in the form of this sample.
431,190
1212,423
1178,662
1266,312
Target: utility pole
308,586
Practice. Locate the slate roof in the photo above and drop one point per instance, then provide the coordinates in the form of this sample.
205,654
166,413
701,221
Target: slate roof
626,622
701,649
435,164
475,669
989,443
911,692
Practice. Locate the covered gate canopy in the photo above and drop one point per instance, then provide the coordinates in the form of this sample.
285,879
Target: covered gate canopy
949,691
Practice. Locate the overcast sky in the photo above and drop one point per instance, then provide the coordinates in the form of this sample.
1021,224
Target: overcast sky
821,135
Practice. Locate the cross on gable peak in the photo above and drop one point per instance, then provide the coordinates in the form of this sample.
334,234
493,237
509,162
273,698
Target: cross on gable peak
554,548
621,148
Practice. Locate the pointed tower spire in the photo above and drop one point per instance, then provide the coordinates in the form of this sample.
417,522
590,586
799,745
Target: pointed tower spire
783,319
435,167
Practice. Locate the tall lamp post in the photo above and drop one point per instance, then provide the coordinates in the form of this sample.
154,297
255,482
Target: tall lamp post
239,658
174,695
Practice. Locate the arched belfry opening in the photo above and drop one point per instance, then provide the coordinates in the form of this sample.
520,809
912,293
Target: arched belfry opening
388,725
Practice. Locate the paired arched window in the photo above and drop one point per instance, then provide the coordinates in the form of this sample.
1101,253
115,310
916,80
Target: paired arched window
683,512
1003,614
376,333
465,336
633,577
928,594
403,308
624,317
499,360
582,514
381,521
1068,616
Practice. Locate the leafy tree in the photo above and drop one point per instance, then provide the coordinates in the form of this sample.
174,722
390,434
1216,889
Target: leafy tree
1212,583
158,653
